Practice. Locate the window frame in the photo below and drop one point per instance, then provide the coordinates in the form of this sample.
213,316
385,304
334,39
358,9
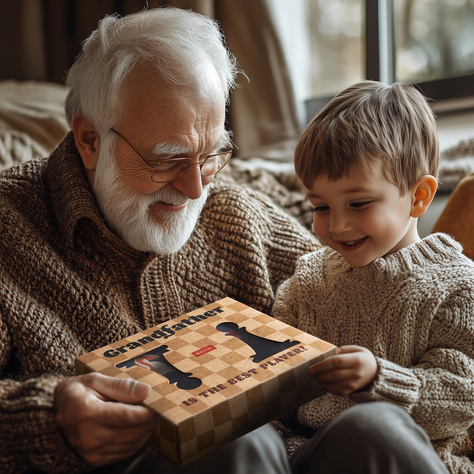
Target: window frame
448,95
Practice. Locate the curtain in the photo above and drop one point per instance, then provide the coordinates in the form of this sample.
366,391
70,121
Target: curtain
263,111
40,38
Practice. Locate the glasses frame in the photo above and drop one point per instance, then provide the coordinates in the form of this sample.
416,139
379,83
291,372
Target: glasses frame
187,161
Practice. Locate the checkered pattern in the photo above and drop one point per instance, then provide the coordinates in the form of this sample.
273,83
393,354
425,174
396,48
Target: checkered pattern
236,395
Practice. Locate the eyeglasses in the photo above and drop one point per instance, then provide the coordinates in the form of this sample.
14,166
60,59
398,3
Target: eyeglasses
170,169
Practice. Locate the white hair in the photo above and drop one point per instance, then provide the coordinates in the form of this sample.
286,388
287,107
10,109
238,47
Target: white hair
174,41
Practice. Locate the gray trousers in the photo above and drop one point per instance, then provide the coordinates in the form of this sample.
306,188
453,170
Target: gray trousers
369,438
259,452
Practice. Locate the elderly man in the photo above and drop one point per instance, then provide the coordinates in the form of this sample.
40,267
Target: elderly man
122,228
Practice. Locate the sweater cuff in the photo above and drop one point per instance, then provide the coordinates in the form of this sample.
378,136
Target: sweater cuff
394,384
30,434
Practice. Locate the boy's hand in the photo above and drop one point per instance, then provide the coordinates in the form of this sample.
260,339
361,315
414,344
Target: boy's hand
352,369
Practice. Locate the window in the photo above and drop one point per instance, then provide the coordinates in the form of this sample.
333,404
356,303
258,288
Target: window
330,44
427,42
324,45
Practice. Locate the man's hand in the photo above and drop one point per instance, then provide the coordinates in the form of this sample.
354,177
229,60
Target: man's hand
100,418
352,369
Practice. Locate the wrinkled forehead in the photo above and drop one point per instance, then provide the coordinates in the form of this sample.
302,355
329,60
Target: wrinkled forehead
190,116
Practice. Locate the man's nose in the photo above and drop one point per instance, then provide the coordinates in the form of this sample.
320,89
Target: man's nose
190,184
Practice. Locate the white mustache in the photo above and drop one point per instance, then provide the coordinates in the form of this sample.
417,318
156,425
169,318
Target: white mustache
168,195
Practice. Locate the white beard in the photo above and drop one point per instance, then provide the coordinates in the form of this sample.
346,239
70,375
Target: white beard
127,212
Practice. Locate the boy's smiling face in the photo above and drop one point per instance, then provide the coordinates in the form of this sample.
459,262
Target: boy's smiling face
362,215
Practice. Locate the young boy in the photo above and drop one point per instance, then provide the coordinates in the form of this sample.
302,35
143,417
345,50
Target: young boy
400,308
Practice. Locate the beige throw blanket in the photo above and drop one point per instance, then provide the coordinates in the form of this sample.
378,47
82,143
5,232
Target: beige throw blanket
32,120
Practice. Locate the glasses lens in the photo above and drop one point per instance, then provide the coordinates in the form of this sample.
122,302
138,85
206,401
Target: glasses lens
170,170
215,163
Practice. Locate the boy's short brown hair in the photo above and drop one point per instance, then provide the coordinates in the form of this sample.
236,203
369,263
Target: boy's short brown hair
366,123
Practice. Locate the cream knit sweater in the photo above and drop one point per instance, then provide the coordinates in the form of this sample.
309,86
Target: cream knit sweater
69,285
414,310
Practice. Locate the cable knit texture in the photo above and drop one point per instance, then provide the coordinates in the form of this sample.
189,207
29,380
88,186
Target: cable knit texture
414,310
69,285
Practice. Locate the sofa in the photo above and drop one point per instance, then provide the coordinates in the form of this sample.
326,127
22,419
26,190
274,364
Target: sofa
457,217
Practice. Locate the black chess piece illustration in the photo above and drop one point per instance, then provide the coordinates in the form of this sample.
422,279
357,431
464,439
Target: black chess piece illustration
155,361
263,347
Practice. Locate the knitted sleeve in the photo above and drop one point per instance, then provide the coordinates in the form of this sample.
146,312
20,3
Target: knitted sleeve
29,436
439,390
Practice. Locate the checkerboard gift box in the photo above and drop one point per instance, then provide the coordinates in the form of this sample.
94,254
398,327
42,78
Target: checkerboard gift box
216,373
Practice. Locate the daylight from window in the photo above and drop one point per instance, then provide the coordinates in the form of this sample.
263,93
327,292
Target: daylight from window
324,43
434,39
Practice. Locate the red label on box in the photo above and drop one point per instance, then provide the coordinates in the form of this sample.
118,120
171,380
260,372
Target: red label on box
203,351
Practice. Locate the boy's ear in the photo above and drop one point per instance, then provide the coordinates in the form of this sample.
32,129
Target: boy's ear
423,193
87,141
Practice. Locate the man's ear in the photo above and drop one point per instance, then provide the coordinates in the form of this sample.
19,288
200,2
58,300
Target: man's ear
423,193
87,141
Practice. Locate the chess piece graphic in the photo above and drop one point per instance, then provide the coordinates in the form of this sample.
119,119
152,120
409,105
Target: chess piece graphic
263,347
155,361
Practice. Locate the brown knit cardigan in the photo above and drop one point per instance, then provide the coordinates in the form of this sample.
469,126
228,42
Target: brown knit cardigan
69,285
